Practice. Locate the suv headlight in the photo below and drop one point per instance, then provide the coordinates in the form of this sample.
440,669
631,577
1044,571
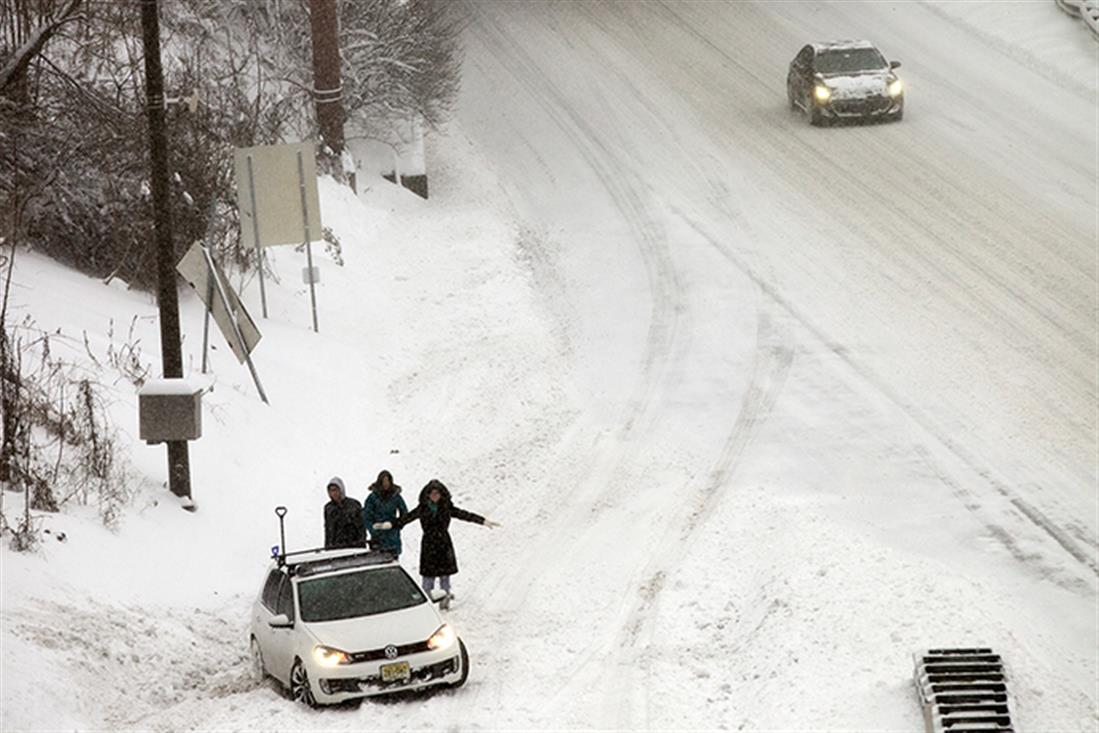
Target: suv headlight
326,656
822,93
443,637
895,88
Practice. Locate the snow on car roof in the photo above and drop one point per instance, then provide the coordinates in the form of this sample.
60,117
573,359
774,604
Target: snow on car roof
840,45
312,562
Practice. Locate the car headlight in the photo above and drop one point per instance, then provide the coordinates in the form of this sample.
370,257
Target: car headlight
443,637
326,656
822,93
895,88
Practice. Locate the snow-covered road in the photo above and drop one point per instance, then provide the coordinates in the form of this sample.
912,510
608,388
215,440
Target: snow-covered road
763,408
949,259
942,270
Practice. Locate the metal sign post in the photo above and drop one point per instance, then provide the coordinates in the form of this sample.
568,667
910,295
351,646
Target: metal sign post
255,235
233,320
206,324
308,247
281,184
222,306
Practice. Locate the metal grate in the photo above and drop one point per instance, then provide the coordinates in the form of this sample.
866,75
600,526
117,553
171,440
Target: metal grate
963,691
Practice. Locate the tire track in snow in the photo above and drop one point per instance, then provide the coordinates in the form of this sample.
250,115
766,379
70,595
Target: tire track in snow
665,322
630,686
664,337
628,654
1032,514
820,168
770,368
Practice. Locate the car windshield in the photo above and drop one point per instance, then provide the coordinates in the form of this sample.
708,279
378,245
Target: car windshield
849,60
363,593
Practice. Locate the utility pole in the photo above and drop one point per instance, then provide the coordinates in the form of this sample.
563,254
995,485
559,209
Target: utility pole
327,87
171,352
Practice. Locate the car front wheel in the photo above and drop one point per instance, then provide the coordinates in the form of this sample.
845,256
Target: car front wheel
300,690
256,658
465,666
816,119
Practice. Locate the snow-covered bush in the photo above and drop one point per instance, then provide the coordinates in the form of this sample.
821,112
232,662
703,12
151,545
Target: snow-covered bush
58,443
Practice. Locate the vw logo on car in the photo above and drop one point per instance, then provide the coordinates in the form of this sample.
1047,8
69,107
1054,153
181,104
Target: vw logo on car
391,652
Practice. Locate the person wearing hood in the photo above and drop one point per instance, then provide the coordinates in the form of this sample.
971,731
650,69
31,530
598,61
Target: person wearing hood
384,505
343,525
437,558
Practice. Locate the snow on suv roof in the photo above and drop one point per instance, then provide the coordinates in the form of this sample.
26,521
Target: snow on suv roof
840,45
314,562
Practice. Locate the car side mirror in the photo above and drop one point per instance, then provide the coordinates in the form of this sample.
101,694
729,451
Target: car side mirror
280,621
894,64
436,595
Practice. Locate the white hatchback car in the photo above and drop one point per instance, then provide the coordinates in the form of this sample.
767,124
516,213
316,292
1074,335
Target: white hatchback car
333,625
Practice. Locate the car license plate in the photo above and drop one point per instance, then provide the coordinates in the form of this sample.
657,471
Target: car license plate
396,671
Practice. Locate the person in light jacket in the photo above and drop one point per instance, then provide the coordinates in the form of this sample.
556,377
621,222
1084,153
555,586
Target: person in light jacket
437,559
384,505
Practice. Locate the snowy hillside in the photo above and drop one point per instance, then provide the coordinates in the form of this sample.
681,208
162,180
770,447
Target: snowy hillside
763,409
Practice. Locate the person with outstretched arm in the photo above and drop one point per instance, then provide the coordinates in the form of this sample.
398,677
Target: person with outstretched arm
437,558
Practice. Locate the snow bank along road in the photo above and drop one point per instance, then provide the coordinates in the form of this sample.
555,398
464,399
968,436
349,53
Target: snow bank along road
879,340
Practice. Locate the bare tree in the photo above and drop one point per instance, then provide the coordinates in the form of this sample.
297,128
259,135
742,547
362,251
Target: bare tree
72,169
401,59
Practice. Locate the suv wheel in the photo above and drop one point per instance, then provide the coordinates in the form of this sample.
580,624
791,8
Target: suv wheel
300,690
464,658
256,658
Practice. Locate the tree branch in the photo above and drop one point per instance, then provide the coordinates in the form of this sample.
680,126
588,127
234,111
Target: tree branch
17,65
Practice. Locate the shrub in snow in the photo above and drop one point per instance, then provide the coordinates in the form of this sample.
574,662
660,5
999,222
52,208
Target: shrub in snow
59,444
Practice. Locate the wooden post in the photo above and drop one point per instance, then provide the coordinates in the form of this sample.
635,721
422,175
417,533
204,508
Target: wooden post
171,351
327,86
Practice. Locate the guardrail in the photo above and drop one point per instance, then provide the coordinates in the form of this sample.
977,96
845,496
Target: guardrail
1085,10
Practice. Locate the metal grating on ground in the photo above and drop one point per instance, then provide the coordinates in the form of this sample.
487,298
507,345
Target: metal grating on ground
963,691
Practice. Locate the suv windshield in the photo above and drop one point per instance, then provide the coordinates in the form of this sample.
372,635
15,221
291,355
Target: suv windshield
364,593
850,60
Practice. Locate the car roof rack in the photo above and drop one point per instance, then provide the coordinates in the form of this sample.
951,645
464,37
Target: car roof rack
302,566
332,559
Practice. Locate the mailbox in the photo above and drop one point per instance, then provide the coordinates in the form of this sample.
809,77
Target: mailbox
169,410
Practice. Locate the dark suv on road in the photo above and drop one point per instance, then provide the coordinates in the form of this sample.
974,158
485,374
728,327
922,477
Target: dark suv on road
844,80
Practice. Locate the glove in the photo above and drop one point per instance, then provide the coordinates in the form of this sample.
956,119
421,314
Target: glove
490,524
382,525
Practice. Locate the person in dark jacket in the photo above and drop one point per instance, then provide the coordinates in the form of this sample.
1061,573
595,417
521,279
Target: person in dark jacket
437,559
343,522
384,505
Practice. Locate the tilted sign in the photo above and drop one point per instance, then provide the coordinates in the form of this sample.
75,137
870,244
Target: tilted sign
272,189
195,270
